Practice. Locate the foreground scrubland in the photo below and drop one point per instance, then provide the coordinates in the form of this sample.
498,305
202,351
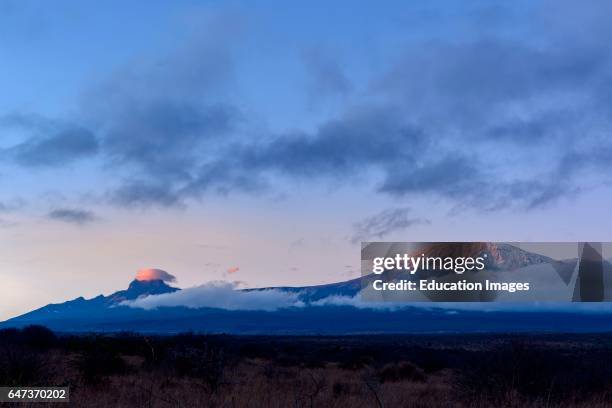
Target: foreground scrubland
188,370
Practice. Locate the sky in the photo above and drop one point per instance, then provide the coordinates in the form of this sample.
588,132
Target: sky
262,141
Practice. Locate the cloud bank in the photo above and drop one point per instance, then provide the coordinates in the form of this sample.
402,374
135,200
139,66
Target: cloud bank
72,216
462,111
384,223
226,296
220,295
452,116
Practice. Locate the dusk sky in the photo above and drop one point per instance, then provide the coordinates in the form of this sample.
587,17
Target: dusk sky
261,141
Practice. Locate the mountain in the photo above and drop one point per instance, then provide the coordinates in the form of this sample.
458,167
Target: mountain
108,313
83,308
501,256
506,256
140,288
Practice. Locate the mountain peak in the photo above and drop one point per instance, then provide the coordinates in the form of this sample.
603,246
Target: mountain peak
140,288
148,283
149,287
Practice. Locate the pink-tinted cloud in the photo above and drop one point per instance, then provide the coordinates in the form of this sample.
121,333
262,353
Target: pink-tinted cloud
233,269
148,274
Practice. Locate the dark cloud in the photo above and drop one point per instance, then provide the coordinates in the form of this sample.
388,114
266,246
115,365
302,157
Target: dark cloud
48,142
229,172
598,158
387,221
363,138
72,216
59,149
538,193
144,193
156,124
162,121
361,141
451,176
163,138
484,122
484,118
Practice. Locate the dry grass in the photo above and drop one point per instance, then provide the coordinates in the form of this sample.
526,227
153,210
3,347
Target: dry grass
260,384
223,371
252,385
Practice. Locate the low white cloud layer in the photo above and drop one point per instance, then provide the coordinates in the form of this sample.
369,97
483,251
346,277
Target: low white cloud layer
358,302
220,295
226,296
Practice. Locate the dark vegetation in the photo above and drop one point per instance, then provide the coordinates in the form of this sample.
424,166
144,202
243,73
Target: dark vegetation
127,369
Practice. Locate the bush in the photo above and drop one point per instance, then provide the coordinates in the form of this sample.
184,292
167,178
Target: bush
94,365
533,373
340,388
21,367
206,363
404,370
38,337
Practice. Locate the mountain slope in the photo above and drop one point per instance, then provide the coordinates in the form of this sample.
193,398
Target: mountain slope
83,308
